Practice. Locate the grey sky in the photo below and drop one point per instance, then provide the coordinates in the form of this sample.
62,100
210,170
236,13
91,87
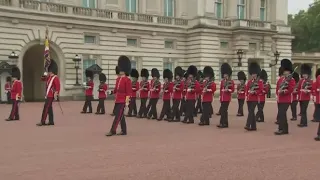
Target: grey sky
296,5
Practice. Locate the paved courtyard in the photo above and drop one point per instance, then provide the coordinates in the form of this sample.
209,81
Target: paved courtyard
76,148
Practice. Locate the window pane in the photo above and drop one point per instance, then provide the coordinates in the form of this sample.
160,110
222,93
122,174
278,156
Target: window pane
219,10
90,39
224,45
133,6
86,63
132,42
170,8
240,12
167,65
128,5
85,3
133,64
252,46
92,3
168,44
262,14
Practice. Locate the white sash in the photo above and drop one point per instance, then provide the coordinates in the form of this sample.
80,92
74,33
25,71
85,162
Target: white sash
50,85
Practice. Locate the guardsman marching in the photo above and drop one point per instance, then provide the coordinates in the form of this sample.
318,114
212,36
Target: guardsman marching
241,92
88,92
16,93
198,108
262,96
52,93
183,100
177,94
209,87
284,90
123,91
155,89
135,88
226,90
143,93
316,94
112,92
166,96
304,90
295,97
7,89
280,75
254,88
102,89
192,88
315,118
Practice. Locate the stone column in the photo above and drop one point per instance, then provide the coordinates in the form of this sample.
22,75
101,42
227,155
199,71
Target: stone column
201,8
231,9
313,70
142,6
15,3
254,9
210,8
281,11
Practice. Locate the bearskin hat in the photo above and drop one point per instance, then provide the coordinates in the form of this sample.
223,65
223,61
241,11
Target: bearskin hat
8,79
89,74
117,70
254,68
305,69
241,76
134,73
318,72
296,77
225,69
144,73
167,73
263,75
286,64
53,67
102,77
280,71
208,72
124,65
178,71
155,73
192,70
15,72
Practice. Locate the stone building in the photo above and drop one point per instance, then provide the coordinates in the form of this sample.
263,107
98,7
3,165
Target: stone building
153,33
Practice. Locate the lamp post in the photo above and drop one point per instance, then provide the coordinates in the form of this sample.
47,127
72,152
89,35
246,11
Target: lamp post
276,58
240,53
76,61
13,57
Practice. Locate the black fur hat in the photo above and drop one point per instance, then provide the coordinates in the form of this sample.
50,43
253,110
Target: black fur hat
53,67
144,73
263,75
167,73
8,79
254,68
318,72
134,73
280,71
89,74
305,69
155,73
102,77
286,64
192,70
15,72
241,76
208,72
296,77
225,69
117,70
124,64
178,71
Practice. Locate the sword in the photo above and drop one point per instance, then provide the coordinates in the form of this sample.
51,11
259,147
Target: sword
58,100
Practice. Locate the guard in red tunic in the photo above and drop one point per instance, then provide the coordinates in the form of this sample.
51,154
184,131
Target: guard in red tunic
284,90
103,87
304,90
166,96
241,92
154,94
52,93
295,97
7,89
254,88
280,75
316,94
135,88
183,100
209,87
123,91
226,90
315,105
143,93
192,89
177,94
16,93
262,96
198,108
112,92
88,92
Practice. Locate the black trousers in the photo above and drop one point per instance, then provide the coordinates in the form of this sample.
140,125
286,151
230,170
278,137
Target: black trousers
153,108
293,106
133,107
87,104
175,109
282,115
114,109
300,108
224,113
143,107
315,112
183,106
318,133
47,110
14,114
198,108
240,106
260,113
100,108
166,109
278,113
9,101
119,118
211,109
205,116
251,120
190,105
304,107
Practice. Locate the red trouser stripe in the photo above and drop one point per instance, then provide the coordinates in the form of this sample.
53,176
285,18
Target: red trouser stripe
46,109
13,112
120,116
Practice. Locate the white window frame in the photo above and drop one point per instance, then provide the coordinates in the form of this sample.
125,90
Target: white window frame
96,38
173,8
138,62
135,38
264,6
222,12
256,46
130,7
173,44
239,5
228,45
88,3
84,58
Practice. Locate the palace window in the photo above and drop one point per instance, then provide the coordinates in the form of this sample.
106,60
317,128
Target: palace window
86,63
89,3
168,44
135,62
263,10
252,46
132,42
169,7
219,8
90,39
224,45
241,9
131,6
168,64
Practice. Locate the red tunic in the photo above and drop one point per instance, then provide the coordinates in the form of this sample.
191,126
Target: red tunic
304,95
7,86
102,91
168,91
226,92
155,91
123,89
135,89
241,92
184,91
192,93
262,95
16,89
144,89
207,96
286,95
89,90
257,91
52,85
177,91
